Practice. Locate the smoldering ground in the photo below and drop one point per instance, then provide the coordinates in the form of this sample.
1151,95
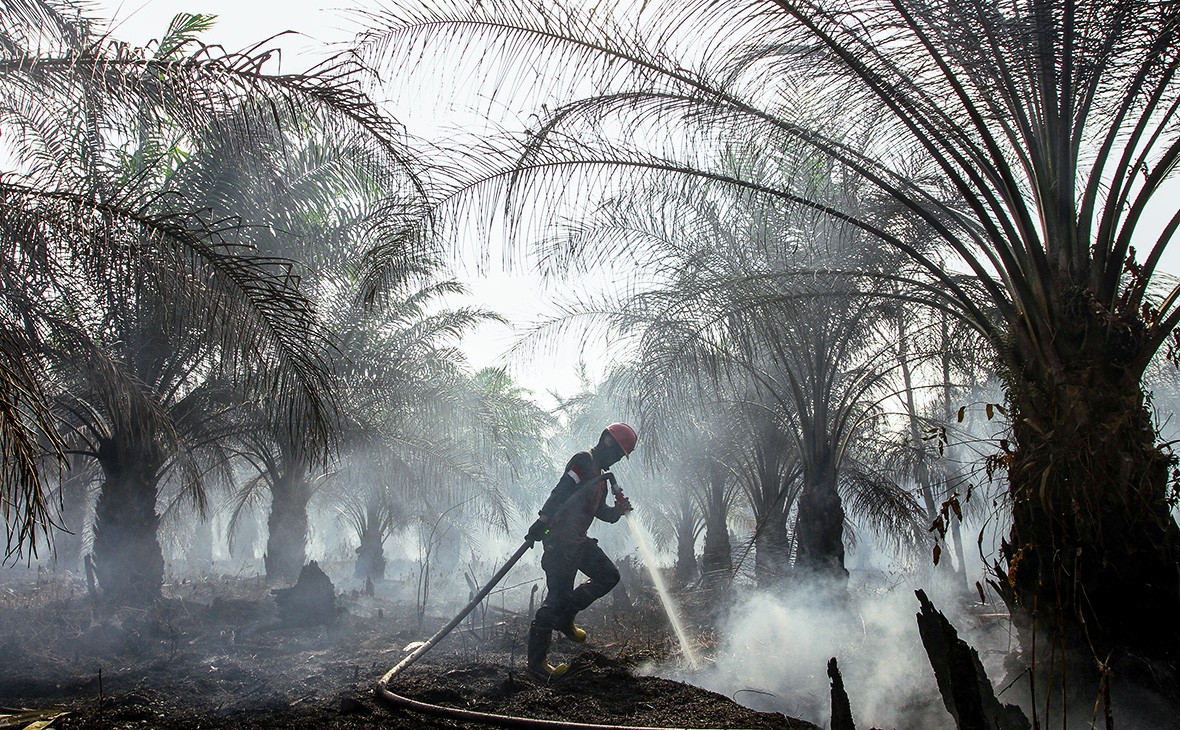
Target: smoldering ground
773,648
213,653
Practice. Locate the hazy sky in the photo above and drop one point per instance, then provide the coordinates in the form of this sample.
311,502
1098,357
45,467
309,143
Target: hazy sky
241,23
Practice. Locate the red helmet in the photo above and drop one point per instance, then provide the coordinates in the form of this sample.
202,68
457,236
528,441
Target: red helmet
624,436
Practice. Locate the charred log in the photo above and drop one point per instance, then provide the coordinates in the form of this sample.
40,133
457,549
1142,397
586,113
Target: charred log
841,708
965,688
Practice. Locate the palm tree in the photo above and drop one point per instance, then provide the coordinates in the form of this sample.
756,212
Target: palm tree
1052,123
1056,130
417,421
142,307
314,202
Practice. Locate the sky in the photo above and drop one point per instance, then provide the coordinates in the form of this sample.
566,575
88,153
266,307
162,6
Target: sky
516,295
241,24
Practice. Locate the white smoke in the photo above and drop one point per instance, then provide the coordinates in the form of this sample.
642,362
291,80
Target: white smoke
773,652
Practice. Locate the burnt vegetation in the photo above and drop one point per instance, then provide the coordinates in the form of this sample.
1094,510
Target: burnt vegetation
881,286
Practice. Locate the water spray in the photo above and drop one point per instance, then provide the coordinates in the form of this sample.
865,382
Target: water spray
656,578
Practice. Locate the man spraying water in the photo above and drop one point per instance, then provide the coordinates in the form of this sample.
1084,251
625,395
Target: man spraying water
579,497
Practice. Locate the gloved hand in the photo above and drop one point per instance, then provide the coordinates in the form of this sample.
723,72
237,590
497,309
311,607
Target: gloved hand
537,531
622,504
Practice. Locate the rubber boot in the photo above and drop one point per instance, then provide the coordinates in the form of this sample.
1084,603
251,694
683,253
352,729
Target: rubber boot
567,627
579,600
538,649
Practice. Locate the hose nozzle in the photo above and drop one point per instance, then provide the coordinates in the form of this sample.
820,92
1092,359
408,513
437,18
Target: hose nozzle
615,489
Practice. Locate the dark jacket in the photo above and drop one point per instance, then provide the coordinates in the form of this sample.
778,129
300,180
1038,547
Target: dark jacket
571,507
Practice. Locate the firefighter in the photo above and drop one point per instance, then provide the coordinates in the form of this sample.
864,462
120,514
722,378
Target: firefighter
579,497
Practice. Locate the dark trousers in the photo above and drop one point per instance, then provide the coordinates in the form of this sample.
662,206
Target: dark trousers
561,562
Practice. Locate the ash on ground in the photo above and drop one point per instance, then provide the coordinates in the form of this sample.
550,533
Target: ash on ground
215,654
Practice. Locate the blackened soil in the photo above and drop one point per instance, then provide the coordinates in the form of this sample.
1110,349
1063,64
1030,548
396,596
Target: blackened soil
214,655
597,689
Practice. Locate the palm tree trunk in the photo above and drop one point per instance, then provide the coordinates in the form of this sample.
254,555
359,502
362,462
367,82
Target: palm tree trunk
686,538
127,556
772,551
286,542
820,526
370,556
772,542
717,555
1093,549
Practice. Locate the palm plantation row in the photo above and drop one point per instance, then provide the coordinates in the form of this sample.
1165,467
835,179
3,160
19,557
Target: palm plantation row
833,226
181,313
184,408
1010,159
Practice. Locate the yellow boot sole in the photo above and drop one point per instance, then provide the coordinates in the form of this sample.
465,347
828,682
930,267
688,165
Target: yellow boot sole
548,671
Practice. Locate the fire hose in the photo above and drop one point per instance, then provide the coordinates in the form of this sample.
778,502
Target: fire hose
383,693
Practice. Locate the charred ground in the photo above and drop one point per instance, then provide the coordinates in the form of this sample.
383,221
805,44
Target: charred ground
214,653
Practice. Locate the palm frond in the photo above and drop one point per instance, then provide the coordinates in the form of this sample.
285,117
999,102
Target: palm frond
30,449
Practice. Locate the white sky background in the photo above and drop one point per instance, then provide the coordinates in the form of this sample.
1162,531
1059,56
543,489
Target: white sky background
518,296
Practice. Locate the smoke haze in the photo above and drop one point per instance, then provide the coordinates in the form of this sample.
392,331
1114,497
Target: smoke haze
773,652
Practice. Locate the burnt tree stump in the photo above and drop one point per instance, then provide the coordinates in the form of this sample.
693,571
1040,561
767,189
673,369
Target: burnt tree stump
966,691
311,601
841,709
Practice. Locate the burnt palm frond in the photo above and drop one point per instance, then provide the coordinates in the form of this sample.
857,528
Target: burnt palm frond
249,305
